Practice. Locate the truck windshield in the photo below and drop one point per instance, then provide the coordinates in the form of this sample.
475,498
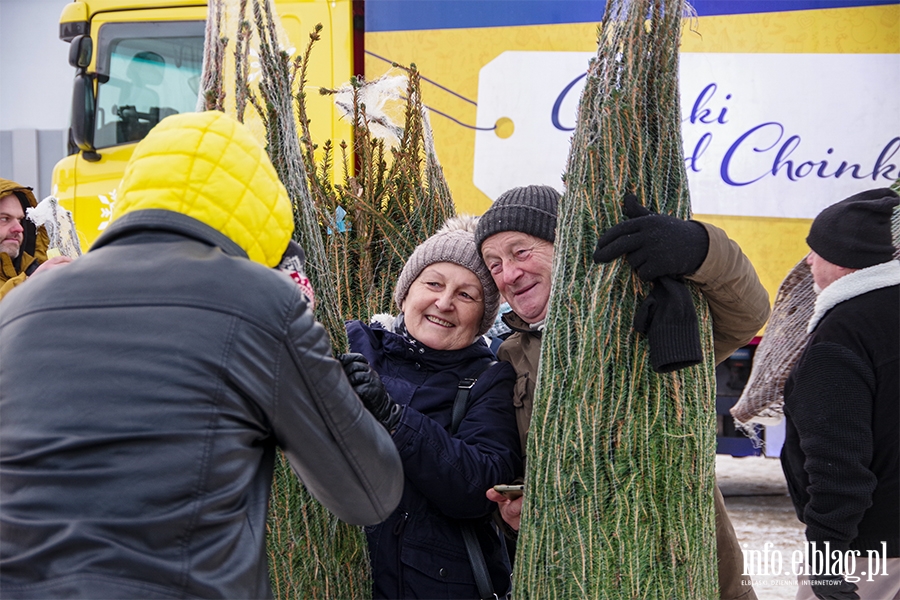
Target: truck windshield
152,71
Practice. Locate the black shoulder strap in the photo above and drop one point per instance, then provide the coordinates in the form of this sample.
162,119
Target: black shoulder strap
32,267
476,560
462,397
473,548
459,404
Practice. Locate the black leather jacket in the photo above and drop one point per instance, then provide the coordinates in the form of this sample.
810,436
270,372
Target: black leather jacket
144,390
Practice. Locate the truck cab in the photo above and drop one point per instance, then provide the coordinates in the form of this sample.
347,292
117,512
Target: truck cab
138,62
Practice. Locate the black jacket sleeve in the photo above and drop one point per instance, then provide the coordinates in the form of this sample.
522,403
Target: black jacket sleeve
344,457
831,397
454,472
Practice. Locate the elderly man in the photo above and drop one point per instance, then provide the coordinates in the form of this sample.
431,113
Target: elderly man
23,247
841,455
515,237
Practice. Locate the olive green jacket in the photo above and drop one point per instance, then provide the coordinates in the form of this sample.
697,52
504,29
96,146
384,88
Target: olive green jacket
738,302
14,271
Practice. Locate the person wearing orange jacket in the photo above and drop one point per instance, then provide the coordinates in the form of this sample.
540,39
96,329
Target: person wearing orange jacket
23,247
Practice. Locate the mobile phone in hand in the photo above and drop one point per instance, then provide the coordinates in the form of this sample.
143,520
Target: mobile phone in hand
510,491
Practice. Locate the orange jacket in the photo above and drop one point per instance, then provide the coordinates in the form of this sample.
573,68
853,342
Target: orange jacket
14,271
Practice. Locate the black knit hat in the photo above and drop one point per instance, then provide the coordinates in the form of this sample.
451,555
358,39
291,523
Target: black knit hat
856,233
530,209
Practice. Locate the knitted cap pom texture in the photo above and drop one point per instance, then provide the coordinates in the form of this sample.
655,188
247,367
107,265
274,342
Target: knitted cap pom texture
453,243
530,209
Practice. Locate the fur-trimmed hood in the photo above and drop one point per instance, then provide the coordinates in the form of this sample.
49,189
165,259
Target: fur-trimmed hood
852,285
34,240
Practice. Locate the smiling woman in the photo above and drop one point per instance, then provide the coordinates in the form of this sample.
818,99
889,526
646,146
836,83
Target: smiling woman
444,306
431,267
420,360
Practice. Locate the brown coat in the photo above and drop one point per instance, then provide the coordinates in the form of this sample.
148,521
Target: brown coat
740,307
737,300
34,246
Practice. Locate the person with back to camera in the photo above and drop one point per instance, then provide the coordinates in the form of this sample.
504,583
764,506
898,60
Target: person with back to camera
147,387
841,453
515,237
421,362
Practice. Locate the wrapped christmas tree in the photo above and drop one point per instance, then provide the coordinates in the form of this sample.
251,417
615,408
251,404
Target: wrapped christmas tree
762,399
620,477
357,234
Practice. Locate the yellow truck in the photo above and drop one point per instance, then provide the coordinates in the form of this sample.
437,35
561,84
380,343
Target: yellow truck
788,105
139,61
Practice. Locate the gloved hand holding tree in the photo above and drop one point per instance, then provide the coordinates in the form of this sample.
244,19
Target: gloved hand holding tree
661,249
654,245
368,386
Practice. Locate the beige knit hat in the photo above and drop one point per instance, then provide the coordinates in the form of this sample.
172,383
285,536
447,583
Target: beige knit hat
453,243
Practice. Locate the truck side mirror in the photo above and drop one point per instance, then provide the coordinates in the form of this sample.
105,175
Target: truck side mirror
83,116
80,51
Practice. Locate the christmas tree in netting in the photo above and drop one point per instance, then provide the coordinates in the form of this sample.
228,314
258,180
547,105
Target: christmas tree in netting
356,235
620,475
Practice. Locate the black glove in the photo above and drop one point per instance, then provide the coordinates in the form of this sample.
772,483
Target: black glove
367,385
654,245
833,587
668,319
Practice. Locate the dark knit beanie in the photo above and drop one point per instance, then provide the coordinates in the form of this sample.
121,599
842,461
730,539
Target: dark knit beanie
530,209
453,243
856,233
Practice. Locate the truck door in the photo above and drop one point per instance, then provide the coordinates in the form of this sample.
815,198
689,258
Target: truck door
148,71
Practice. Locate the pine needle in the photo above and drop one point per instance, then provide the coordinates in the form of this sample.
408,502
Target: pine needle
357,235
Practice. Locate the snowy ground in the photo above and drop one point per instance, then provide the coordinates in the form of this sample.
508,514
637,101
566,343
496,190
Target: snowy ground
764,520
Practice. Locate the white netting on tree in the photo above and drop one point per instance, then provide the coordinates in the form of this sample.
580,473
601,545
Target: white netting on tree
762,399
384,103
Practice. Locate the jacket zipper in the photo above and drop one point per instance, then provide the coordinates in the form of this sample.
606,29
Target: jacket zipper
398,531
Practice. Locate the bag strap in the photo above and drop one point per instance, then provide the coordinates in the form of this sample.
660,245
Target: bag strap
473,548
462,396
459,404
476,559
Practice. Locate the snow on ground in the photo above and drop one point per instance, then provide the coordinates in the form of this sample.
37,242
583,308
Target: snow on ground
764,521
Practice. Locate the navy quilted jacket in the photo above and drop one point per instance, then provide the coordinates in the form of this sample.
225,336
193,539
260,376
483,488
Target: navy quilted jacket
419,551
